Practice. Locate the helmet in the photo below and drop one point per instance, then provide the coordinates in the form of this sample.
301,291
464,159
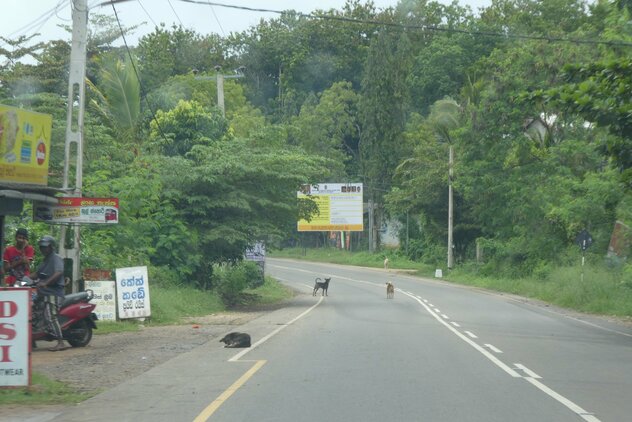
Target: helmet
46,241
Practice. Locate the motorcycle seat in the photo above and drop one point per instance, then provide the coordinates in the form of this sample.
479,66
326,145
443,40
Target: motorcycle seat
75,298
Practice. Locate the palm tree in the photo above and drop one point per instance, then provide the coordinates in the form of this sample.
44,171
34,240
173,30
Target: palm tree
118,100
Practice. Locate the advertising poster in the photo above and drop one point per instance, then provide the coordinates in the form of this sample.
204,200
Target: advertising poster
78,210
15,337
339,204
132,292
24,146
104,298
257,254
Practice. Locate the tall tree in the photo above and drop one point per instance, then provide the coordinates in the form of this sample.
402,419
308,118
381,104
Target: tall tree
383,107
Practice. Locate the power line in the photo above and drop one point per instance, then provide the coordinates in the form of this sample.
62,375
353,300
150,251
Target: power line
217,20
617,43
131,58
174,12
147,13
37,22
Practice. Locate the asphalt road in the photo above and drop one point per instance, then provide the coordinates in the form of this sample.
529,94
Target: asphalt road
436,352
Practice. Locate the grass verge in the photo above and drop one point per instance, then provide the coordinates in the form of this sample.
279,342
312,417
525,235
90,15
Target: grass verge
595,289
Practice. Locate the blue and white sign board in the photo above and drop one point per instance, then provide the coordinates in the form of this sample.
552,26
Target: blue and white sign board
104,298
15,337
132,292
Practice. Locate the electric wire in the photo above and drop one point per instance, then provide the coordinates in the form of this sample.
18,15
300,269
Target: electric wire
174,12
147,13
36,23
131,58
431,28
217,20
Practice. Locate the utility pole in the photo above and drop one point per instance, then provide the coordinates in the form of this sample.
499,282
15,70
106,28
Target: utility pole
371,249
450,211
74,128
219,79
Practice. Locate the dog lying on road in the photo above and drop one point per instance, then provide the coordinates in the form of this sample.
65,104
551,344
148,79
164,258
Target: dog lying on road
236,340
324,285
390,290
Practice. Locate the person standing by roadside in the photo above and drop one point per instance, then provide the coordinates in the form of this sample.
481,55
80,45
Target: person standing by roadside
50,284
17,259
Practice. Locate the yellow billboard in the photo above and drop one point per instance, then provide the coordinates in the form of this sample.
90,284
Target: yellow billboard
24,145
339,206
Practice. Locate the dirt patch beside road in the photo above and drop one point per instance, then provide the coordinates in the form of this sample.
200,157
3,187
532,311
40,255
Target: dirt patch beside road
110,359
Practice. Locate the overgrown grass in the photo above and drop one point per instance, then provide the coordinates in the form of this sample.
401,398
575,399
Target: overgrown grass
270,292
41,391
599,291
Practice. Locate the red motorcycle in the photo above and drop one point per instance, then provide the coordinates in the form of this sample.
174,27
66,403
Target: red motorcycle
76,317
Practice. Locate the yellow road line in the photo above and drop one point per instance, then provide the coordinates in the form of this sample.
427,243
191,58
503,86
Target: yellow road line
211,408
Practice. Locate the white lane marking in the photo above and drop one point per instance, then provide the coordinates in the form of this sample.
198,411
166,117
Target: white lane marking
587,416
212,408
264,339
484,352
444,316
456,324
471,334
426,300
527,371
492,348
437,310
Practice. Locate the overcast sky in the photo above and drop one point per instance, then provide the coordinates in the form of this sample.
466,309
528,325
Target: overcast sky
26,17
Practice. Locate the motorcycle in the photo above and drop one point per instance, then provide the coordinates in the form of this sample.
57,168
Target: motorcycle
76,317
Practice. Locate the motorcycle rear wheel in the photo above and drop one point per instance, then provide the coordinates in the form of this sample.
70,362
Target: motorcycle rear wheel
79,334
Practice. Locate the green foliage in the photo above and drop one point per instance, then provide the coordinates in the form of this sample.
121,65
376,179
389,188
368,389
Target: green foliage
229,281
329,127
177,131
599,92
328,99
41,391
169,305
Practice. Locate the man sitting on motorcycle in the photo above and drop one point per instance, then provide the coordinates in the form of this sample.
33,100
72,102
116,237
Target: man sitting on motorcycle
50,284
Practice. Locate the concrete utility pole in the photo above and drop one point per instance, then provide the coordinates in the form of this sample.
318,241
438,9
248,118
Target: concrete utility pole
450,211
219,78
74,128
371,249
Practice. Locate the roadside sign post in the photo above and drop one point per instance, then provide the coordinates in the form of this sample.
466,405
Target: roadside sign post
15,337
583,240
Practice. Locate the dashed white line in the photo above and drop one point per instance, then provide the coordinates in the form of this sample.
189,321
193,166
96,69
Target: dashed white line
527,371
456,324
587,416
471,334
492,348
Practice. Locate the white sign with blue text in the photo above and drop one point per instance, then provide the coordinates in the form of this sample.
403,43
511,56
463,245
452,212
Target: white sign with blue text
104,298
132,292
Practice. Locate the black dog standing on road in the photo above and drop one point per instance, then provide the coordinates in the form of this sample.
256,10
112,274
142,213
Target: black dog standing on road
321,285
236,340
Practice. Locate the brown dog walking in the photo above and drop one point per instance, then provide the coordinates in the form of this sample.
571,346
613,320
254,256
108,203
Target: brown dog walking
390,290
